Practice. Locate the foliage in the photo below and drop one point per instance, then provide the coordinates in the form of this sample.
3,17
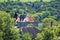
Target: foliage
1,35
30,25
46,10
7,31
26,36
41,10
50,33
49,22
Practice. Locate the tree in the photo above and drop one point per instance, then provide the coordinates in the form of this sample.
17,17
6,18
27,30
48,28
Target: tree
1,35
26,36
49,33
6,27
48,21
11,34
30,25
5,21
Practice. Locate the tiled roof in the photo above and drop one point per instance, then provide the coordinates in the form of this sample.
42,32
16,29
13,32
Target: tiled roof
32,30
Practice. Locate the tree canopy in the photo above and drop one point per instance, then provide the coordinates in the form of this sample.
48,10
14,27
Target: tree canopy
7,31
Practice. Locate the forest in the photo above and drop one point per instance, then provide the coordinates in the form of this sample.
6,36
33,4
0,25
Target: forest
45,11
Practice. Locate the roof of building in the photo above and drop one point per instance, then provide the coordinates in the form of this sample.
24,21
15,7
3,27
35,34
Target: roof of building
32,30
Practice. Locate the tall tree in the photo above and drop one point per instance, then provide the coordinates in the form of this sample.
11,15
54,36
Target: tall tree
6,27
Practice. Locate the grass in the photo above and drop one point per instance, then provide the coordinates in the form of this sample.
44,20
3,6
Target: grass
20,0
46,0
26,0
1,0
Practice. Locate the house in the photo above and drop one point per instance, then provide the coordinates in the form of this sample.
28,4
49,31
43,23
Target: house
31,30
24,18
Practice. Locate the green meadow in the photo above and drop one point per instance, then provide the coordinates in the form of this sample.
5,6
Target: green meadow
26,0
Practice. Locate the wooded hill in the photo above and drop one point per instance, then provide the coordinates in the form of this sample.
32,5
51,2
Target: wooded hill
40,9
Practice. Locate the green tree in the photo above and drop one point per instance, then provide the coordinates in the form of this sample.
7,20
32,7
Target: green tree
26,36
1,35
6,27
12,34
48,21
48,33
30,25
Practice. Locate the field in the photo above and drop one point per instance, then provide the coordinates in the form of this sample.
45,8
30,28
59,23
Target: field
25,0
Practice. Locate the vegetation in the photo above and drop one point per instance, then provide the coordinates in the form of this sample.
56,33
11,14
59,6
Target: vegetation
45,11
24,0
50,33
40,10
26,36
7,31
49,22
30,25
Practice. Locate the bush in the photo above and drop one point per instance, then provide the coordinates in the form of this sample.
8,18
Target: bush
49,33
8,32
26,36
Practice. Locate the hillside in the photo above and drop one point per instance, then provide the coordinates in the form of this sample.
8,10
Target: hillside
40,10
29,19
